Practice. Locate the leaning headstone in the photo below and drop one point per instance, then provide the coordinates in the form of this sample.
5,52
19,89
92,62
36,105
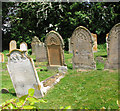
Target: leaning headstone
23,73
12,45
82,49
70,46
1,57
94,38
113,60
54,46
23,46
35,41
40,52
107,41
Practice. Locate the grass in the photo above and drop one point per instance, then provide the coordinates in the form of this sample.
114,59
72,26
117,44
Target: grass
92,89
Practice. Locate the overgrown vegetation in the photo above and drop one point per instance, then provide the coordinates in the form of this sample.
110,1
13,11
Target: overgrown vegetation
89,89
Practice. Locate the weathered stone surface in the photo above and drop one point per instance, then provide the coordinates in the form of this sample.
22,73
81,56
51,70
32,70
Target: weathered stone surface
23,46
40,52
113,61
4,90
62,69
107,41
1,57
82,49
70,46
94,38
35,41
12,45
23,73
54,46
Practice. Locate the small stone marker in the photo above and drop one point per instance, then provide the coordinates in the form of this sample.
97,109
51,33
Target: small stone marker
94,38
40,52
70,46
112,61
12,45
54,46
107,41
1,57
82,49
35,41
23,46
23,73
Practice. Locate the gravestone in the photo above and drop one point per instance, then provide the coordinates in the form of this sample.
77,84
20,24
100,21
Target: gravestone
113,61
40,52
12,45
82,49
23,46
35,41
107,41
1,57
54,46
23,73
94,38
70,46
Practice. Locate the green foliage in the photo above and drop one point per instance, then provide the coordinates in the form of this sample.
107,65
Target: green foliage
25,102
34,18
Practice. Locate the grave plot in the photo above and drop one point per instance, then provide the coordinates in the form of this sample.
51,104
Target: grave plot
82,44
112,61
55,53
23,73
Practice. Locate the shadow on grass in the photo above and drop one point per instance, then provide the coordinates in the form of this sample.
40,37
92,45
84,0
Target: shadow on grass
104,56
14,94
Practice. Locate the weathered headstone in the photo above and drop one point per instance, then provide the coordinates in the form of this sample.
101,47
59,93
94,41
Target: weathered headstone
82,49
55,53
94,38
40,52
70,46
113,61
12,45
1,57
107,41
23,46
35,41
23,73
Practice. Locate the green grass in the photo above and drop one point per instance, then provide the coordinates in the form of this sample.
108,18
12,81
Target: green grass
92,89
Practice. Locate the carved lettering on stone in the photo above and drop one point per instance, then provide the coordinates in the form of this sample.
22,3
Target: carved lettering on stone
23,73
54,47
82,49
112,61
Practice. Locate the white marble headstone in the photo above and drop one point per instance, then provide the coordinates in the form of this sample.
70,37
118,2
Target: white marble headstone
23,74
23,46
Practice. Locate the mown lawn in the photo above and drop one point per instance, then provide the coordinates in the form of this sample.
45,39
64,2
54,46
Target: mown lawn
89,89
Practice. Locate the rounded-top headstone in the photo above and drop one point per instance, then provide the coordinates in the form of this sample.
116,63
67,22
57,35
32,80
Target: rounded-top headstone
82,43
12,45
54,46
112,61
